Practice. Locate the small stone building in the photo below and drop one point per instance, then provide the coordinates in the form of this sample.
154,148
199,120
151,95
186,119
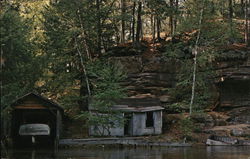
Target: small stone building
143,116
33,108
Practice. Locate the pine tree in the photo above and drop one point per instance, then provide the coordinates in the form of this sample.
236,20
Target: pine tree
76,32
20,68
106,77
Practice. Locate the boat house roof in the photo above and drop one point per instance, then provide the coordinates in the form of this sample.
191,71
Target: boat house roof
43,102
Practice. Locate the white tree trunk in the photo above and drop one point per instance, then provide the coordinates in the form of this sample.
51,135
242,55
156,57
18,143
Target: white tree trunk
84,69
195,52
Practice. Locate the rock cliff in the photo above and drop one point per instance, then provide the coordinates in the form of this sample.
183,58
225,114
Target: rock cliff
152,75
234,88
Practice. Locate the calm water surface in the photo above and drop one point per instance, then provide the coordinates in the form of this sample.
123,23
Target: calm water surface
136,153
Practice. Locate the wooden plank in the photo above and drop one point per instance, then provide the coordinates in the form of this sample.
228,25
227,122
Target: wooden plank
57,124
30,107
30,104
57,130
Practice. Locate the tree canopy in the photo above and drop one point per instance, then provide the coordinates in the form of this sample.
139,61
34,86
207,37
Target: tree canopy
50,46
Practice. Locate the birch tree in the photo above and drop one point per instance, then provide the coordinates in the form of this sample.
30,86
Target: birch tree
195,52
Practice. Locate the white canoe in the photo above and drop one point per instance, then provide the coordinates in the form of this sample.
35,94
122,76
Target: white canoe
34,129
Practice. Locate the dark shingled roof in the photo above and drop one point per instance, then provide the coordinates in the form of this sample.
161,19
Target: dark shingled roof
139,102
136,105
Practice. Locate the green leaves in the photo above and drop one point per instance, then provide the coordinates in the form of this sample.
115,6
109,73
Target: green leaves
215,33
21,67
105,78
187,126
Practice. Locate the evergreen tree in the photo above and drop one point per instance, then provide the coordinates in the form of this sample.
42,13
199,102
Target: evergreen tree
106,78
76,31
73,34
20,68
159,10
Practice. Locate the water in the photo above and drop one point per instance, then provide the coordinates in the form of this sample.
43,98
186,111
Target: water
218,152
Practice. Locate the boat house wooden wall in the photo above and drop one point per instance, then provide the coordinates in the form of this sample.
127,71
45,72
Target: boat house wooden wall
33,108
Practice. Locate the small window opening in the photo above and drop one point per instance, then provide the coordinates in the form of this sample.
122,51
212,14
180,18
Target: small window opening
149,119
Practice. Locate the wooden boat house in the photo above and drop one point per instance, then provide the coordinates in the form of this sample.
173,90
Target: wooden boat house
33,113
143,117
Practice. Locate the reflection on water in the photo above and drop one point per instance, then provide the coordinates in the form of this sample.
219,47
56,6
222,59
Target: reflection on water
217,152
31,154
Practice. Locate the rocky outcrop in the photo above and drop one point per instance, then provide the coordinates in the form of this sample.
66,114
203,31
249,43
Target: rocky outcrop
234,85
153,75
234,88
239,130
239,115
148,75
234,66
203,118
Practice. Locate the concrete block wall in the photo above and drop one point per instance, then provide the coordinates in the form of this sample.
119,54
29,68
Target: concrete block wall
139,124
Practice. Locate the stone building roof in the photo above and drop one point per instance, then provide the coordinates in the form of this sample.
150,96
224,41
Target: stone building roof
137,105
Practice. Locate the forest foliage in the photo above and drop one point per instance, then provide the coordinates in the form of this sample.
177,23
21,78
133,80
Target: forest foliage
55,46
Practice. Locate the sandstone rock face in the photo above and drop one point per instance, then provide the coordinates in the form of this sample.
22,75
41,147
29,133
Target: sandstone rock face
219,118
132,64
165,98
240,115
148,75
154,75
234,89
160,65
235,68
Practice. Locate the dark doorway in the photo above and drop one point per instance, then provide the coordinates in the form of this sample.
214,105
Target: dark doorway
149,119
127,124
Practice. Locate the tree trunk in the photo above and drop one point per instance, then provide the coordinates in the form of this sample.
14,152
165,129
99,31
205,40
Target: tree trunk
83,102
171,23
87,49
158,25
230,16
242,7
153,27
133,23
141,34
99,33
195,52
139,23
247,27
122,21
176,10
83,91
